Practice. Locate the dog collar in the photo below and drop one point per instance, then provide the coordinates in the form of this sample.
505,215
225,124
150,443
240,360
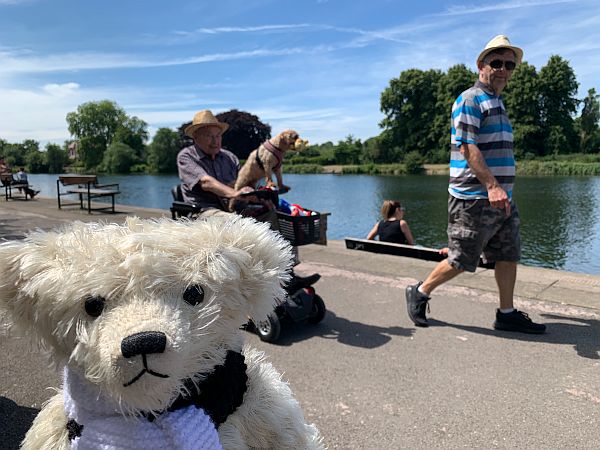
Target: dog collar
276,151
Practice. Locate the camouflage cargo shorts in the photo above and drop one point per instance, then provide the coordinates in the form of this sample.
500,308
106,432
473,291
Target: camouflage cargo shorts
476,228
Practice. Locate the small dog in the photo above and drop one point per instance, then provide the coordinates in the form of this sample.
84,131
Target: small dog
268,158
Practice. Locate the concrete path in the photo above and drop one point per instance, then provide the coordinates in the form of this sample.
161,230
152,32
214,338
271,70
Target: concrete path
371,380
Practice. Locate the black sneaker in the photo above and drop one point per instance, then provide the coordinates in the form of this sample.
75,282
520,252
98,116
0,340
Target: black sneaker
417,303
517,321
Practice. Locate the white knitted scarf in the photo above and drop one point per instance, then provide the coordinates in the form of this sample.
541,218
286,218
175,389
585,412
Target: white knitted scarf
104,427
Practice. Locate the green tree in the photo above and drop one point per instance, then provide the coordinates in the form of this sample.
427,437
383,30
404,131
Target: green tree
450,85
409,105
523,102
373,151
133,131
94,124
162,152
36,162
56,158
589,133
558,89
16,154
119,158
348,151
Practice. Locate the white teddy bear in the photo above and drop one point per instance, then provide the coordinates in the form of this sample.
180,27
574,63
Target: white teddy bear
144,318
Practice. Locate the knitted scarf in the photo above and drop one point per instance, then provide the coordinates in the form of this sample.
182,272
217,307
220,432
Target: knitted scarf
190,422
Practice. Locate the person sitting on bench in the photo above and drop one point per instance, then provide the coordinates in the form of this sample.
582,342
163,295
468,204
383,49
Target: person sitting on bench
393,227
21,178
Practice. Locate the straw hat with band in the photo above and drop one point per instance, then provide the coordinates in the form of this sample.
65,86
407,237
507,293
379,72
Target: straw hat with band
497,43
202,119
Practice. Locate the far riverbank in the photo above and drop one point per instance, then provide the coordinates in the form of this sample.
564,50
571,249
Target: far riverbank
527,167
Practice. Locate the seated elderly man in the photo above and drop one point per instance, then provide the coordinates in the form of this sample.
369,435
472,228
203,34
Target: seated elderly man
208,173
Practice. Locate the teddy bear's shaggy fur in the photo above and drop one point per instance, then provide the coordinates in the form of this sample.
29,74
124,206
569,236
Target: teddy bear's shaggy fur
144,315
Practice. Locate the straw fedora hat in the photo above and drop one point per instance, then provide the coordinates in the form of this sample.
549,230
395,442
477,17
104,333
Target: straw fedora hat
499,42
204,118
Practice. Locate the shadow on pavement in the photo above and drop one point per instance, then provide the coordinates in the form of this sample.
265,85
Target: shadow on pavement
582,334
15,420
10,230
348,332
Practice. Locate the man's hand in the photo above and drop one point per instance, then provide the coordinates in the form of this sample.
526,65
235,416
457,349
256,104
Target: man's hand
497,196
499,199
245,198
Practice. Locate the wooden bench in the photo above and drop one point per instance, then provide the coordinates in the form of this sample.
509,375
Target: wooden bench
410,251
88,188
9,184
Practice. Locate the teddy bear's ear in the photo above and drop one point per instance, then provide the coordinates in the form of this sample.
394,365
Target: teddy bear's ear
20,263
268,267
11,254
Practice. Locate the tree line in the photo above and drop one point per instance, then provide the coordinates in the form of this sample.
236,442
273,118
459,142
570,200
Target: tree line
542,106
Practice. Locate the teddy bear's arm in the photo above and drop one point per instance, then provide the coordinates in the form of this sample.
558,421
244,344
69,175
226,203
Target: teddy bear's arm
49,429
270,416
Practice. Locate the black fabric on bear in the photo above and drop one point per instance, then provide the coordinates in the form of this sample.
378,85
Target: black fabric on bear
74,429
219,394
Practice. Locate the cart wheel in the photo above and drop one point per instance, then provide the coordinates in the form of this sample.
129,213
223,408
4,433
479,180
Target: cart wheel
318,310
268,330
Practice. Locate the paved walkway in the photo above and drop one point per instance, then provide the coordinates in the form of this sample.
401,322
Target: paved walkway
370,380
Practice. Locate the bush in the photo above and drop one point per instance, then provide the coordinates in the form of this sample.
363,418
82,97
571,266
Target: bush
557,168
413,162
119,158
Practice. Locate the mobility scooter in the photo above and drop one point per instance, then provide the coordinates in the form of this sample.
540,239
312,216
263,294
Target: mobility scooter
302,303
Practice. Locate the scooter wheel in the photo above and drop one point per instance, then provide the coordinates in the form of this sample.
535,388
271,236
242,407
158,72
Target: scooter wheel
268,330
318,310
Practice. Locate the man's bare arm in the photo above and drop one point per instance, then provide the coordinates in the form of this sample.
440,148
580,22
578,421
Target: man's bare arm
496,195
211,184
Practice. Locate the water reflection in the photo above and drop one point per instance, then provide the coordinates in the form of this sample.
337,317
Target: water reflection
560,216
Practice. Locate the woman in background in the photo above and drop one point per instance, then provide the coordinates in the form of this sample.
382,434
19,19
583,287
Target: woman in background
393,228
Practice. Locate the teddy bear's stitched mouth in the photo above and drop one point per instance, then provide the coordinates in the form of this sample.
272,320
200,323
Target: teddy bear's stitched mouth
143,371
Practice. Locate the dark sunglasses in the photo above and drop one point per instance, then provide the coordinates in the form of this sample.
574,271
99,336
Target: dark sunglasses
498,63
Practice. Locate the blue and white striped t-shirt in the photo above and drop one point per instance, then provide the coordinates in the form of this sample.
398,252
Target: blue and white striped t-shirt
479,117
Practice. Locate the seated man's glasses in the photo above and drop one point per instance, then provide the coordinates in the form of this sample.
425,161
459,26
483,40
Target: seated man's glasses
498,63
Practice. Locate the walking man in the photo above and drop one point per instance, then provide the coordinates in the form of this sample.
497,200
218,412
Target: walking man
482,216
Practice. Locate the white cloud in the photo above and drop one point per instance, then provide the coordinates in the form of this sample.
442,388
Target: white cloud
477,9
262,28
93,61
61,90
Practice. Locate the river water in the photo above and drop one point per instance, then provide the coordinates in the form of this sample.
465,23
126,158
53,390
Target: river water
560,216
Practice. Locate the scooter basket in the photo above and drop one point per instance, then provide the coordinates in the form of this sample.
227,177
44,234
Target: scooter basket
299,230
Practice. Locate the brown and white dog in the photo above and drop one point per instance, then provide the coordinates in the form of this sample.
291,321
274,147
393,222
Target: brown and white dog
267,160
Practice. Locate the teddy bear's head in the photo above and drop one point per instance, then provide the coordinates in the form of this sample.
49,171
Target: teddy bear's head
139,308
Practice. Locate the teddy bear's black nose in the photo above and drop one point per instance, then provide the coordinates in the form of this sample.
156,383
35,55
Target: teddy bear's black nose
143,343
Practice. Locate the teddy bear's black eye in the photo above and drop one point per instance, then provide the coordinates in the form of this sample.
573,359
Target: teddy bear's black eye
194,295
94,305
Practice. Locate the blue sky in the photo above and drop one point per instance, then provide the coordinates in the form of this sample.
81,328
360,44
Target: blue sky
317,66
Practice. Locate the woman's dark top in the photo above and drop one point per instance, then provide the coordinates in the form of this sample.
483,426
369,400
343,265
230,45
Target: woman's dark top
390,231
